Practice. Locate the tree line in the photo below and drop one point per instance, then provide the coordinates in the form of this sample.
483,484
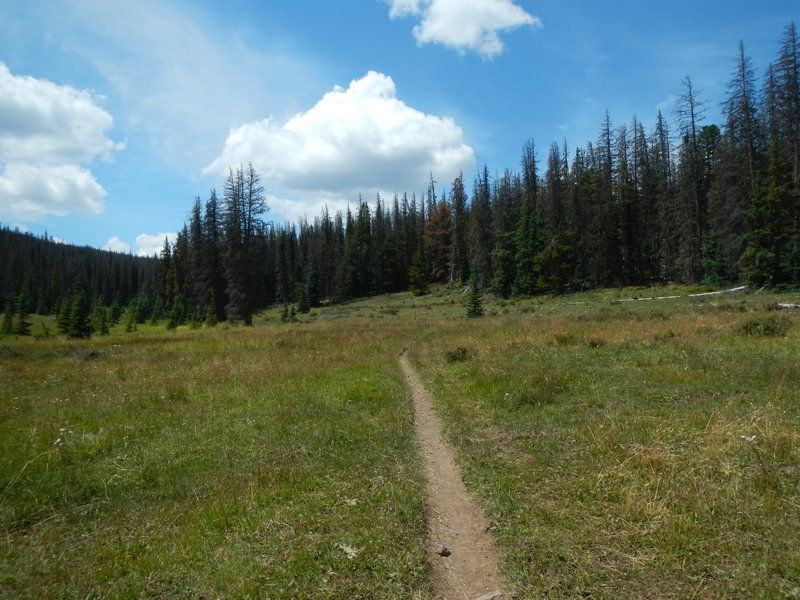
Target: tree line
686,201
41,276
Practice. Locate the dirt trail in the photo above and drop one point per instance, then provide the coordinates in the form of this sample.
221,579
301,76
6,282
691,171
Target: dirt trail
455,521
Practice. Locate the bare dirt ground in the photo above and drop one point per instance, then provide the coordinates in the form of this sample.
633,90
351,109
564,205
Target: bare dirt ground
460,549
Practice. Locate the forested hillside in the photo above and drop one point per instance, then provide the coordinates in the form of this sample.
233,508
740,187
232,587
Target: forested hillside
38,275
687,201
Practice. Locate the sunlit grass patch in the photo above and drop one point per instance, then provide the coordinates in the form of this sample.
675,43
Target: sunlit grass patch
662,463
216,463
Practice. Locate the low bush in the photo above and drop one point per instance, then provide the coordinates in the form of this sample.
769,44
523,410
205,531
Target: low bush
773,326
459,354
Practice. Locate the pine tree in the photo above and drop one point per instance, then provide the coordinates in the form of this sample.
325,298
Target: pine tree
358,253
211,311
213,276
74,314
528,245
99,320
475,299
132,317
21,324
438,241
8,318
480,221
770,256
309,297
555,263
243,205
459,257
691,197
504,266
418,273
527,237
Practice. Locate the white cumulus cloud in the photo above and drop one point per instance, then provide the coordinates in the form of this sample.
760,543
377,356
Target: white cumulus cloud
48,132
356,140
463,24
149,245
117,245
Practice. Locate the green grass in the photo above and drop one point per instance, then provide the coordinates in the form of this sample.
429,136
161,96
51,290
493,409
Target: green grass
233,464
609,439
631,451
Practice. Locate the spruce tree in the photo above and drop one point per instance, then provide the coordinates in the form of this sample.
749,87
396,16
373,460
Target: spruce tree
243,205
418,272
21,324
769,258
99,320
459,257
480,224
555,264
475,298
75,311
132,317
309,297
8,318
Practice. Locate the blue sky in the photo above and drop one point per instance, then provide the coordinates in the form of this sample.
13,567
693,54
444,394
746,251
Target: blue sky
116,114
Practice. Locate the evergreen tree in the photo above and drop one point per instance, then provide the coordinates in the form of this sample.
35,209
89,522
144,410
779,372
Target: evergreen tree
132,317
438,241
475,299
8,318
211,311
769,257
691,197
75,312
213,277
358,253
21,324
527,236
243,205
99,320
459,257
555,263
504,267
177,316
309,297
480,220
418,273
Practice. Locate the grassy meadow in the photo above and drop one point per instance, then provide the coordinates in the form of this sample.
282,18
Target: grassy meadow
631,449
621,448
265,462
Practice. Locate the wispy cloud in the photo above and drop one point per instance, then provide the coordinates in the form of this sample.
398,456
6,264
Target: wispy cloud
177,75
463,24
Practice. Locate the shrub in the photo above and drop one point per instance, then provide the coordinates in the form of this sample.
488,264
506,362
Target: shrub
773,326
459,354
565,339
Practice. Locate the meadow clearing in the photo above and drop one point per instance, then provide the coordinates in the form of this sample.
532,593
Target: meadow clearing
620,448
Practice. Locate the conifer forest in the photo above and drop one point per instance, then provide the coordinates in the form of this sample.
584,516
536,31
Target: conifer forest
685,201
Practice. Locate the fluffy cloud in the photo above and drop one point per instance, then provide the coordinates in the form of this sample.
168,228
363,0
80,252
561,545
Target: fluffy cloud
47,132
117,245
359,139
463,24
149,245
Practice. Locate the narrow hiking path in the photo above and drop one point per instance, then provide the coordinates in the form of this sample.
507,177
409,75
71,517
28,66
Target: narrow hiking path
463,558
